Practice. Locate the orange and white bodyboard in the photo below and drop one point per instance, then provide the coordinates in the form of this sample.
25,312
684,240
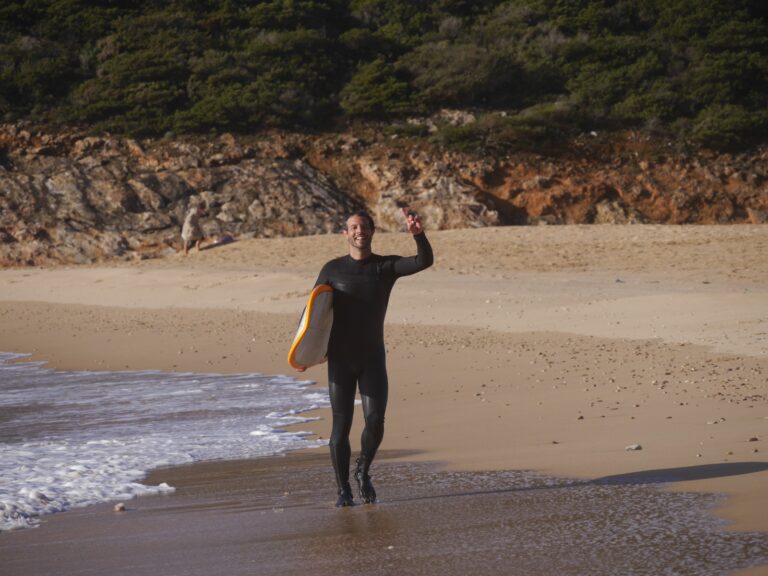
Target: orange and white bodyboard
310,345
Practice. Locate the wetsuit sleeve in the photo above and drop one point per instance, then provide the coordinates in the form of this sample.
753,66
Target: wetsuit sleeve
325,275
412,264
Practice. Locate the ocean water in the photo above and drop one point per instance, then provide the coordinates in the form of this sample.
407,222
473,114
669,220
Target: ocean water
70,439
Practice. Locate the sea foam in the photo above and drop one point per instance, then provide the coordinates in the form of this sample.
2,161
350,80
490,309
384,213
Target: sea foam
71,439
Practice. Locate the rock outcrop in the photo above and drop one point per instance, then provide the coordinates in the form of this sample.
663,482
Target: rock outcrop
74,198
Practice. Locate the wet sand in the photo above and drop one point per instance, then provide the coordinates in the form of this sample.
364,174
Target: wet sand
268,517
549,350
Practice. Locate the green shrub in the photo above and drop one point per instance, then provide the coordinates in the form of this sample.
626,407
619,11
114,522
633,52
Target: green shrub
286,15
533,129
142,66
376,91
727,126
451,74
34,73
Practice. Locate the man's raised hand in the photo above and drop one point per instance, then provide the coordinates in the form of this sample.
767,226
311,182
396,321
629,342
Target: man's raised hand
412,221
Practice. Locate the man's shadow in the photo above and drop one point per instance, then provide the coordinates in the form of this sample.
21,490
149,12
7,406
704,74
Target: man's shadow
643,477
665,475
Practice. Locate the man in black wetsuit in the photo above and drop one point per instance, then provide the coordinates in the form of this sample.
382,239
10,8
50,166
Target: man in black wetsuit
362,282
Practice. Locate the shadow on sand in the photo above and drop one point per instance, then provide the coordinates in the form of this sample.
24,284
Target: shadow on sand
223,241
644,477
666,475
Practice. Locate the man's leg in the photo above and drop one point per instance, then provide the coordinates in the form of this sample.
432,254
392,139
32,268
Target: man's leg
341,388
374,390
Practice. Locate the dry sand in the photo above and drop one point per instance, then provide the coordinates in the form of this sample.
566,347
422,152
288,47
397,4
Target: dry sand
548,349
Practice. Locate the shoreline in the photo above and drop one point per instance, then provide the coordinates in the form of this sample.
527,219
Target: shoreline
518,368
266,515
577,433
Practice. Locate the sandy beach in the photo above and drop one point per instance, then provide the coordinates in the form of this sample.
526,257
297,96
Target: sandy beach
544,349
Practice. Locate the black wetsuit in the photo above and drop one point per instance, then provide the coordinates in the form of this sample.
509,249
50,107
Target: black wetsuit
356,354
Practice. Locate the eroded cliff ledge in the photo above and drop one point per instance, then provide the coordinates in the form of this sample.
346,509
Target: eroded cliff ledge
74,198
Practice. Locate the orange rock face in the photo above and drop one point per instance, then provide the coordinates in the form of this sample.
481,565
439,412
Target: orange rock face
74,198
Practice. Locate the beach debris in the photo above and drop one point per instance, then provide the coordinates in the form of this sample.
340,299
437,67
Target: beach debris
754,439
633,447
119,507
580,418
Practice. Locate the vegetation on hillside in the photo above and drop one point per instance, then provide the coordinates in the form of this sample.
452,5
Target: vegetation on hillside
529,70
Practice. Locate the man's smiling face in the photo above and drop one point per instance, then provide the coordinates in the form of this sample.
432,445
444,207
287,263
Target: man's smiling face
359,232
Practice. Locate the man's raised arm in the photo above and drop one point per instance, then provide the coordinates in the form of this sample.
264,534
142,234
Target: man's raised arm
424,257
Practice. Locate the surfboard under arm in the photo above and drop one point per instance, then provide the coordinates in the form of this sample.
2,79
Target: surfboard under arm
310,345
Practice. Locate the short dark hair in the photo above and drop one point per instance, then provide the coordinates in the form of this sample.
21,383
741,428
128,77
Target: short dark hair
362,214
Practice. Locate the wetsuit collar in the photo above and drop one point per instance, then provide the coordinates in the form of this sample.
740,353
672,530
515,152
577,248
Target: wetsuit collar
361,260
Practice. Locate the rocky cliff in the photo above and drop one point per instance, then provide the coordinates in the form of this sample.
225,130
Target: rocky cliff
74,198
